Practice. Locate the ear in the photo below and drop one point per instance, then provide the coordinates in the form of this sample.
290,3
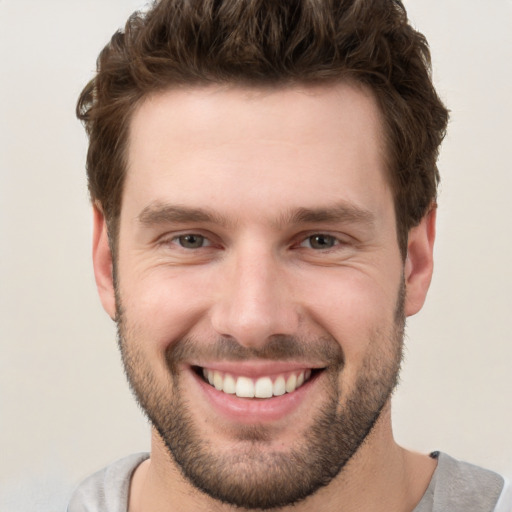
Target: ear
419,263
102,262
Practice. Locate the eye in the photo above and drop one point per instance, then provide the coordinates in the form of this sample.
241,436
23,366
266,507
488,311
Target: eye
192,241
320,241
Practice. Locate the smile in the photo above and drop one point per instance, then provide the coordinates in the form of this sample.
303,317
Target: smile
255,392
262,387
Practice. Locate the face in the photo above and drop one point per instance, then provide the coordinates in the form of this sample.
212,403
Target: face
260,289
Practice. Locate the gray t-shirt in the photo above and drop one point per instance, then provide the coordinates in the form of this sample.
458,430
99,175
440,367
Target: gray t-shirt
455,487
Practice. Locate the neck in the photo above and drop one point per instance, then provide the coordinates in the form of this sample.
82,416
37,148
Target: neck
364,483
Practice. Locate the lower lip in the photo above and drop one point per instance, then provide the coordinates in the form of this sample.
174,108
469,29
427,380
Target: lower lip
252,411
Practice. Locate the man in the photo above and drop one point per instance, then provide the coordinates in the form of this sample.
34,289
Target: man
263,176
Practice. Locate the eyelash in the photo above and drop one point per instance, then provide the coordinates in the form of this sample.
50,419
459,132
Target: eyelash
178,240
321,236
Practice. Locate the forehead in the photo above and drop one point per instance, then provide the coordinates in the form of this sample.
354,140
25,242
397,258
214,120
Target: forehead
322,112
262,146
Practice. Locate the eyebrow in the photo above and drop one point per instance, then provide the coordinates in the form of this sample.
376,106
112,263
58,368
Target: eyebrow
163,213
338,213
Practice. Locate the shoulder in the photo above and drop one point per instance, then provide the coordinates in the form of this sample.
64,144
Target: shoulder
107,490
458,486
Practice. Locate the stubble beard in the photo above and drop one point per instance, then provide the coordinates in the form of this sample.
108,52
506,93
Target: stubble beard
251,476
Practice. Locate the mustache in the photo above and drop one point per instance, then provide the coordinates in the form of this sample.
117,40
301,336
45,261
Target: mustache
322,350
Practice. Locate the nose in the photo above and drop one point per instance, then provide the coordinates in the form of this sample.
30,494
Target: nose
255,298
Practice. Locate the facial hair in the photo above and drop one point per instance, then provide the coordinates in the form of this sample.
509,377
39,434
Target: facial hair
251,476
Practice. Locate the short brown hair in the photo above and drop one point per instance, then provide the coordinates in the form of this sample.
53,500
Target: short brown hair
266,43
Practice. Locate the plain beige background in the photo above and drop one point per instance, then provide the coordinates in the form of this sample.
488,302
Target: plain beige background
65,409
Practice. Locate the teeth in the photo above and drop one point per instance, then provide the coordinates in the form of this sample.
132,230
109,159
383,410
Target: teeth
291,383
245,387
218,381
229,385
263,388
279,386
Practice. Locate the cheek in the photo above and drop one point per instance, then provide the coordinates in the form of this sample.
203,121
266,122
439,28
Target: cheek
162,305
354,307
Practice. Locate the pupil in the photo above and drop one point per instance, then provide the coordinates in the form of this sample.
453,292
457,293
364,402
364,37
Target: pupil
191,241
321,241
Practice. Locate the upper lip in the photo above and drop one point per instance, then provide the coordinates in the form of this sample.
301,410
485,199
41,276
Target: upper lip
257,369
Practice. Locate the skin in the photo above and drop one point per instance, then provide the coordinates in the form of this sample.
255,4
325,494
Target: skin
252,156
